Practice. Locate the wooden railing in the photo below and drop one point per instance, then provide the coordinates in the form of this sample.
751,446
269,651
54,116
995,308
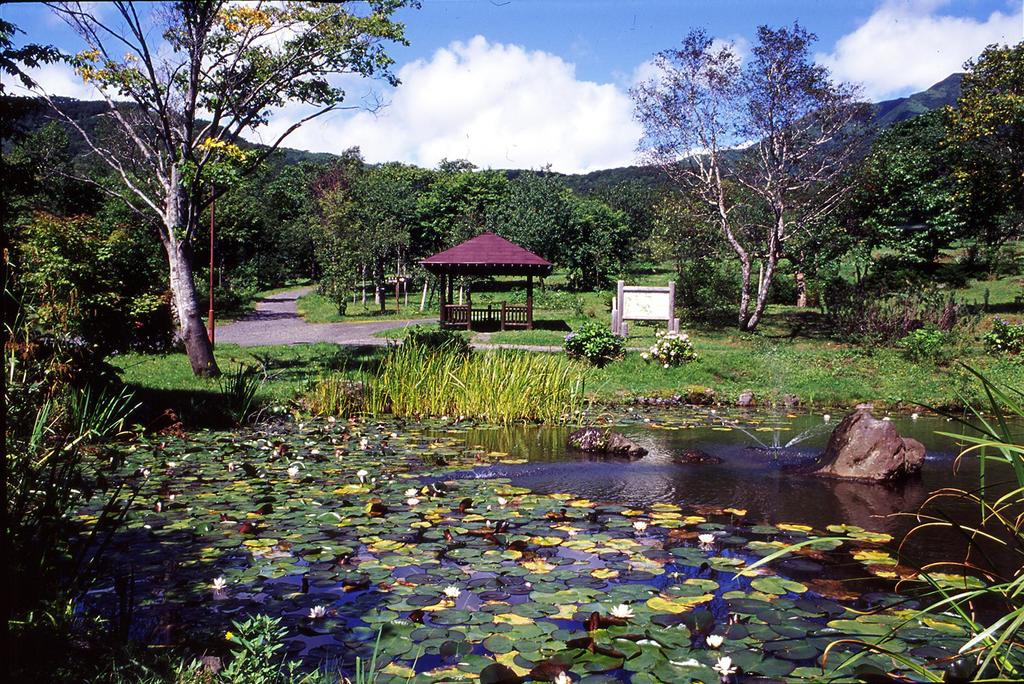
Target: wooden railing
504,316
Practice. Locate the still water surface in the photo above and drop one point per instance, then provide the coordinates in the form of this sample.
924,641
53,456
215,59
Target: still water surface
749,476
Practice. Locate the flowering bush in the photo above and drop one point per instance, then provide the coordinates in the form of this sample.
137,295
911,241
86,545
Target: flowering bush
1005,337
595,343
670,349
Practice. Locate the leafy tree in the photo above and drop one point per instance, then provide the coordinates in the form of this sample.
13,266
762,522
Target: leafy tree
535,214
907,191
598,242
337,233
988,126
387,205
456,205
795,124
637,200
229,63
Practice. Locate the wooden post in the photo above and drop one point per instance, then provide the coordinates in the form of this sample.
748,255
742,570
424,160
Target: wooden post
423,299
469,307
620,296
673,322
398,290
529,302
441,298
503,314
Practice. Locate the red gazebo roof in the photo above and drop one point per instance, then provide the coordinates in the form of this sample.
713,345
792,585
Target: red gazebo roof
487,254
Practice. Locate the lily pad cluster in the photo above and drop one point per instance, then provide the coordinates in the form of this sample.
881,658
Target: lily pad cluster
357,534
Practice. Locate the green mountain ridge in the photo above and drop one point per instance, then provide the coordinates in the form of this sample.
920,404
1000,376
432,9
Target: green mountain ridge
30,114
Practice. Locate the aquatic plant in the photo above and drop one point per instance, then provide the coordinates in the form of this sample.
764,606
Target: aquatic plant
102,414
337,394
994,648
500,386
239,387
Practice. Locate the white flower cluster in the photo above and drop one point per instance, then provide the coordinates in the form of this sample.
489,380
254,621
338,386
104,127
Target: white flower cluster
670,349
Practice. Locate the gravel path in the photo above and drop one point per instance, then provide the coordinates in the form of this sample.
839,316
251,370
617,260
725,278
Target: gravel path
276,320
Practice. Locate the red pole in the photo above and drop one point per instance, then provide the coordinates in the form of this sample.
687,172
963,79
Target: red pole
211,322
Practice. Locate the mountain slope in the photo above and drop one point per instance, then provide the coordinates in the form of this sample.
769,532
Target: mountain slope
885,114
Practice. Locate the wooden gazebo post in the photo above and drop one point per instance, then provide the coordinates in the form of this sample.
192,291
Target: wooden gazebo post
441,300
529,302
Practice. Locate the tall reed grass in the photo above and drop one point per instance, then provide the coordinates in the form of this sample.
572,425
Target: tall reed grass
337,394
500,387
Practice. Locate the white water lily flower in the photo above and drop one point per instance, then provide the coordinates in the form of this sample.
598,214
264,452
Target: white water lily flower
220,584
332,419
706,539
293,472
562,678
361,474
640,526
452,592
412,501
622,611
363,443
572,531
914,416
724,666
826,418
317,612
411,491
715,640
502,501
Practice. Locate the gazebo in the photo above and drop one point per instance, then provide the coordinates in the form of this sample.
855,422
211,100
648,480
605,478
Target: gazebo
485,255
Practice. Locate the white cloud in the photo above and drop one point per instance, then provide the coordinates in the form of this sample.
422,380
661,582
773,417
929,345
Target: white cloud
497,105
905,47
59,79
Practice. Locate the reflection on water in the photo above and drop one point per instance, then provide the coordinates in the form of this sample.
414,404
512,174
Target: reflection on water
749,476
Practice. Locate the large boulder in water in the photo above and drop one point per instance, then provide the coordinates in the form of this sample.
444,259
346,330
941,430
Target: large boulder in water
865,448
602,441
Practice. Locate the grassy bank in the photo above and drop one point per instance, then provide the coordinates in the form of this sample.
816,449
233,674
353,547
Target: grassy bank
824,375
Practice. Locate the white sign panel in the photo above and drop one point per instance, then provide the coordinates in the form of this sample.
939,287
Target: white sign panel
647,306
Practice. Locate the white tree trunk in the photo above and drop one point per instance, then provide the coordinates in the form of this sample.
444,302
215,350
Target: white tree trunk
183,289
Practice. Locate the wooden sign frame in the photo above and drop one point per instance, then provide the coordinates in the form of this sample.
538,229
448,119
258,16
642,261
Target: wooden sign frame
643,303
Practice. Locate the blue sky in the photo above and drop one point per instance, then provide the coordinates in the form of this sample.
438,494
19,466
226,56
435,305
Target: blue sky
527,83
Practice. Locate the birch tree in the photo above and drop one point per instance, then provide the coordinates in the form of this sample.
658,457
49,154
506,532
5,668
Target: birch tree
186,81
765,145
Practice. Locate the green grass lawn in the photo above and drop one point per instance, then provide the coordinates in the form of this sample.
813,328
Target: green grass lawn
791,353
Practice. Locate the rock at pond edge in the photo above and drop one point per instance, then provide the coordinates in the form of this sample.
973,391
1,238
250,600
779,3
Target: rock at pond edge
602,441
695,457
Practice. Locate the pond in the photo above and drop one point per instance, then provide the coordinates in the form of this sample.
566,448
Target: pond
755,448
350,531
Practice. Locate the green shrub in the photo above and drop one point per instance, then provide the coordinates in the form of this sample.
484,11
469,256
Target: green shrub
670,349
436,338
256,646
1005,337
928,344
595,343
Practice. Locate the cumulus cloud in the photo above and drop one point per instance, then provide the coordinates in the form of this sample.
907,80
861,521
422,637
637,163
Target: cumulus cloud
497,105
907,46
58,79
